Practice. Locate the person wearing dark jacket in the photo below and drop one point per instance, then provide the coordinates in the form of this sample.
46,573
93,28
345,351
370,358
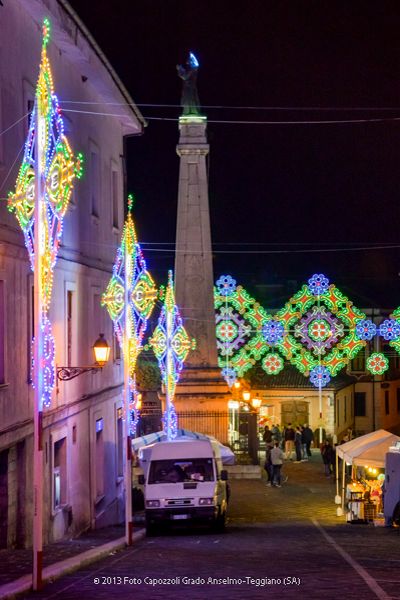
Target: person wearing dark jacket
268,464
327,454
267,435
297,443
308,438
289,441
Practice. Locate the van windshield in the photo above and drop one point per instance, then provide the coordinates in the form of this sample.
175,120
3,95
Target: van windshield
178,470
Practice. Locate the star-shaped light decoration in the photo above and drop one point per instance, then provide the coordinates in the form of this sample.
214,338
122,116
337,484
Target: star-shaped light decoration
60,168
171,345
130,270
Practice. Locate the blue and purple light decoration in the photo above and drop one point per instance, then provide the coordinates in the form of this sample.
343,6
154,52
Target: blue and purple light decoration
320,376
171,345
57,168
129,299
366,330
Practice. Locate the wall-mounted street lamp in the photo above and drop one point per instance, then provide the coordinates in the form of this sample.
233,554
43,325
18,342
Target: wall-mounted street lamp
101,352
256,403
246,396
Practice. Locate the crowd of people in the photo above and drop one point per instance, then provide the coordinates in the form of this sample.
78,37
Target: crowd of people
283,444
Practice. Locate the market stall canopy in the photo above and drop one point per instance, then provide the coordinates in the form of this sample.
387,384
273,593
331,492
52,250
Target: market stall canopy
368,450
227,456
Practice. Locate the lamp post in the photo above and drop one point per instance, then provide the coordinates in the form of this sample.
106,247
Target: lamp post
101,351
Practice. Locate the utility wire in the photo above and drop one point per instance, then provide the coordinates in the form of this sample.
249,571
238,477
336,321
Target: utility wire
14,124
242,122
3,183
304,251
221,106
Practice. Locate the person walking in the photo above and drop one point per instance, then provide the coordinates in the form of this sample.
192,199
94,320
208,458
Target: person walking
268,464
297,444
276,433
289,441
308,438
327,457
267,435
277,462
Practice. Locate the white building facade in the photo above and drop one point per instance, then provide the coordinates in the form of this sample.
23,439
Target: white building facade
82,430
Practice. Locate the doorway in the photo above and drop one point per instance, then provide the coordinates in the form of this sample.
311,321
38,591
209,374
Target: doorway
295,412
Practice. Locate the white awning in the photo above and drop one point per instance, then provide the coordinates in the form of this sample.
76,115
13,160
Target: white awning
368,450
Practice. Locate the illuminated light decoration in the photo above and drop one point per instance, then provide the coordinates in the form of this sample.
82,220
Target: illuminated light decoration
272,364
320,376
134,407
320,328
366,330
130,267
47,363
273,332
60,168
171,345
232,331
318,284
396,342
226,285
170,421
227,331
229,375
389,329
241,362
377,363
235,307
317,328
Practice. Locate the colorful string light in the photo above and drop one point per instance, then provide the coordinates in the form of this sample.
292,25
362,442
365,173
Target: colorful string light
130,267
171,345
238,317
389,329
366,330
377,363
319,330
60,168
320,376
272,364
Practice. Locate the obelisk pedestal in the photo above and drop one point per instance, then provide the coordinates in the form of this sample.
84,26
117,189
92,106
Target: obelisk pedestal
201,392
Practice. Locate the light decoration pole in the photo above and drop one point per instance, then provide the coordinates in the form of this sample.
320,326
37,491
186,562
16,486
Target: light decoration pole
129,299
40,201
171,345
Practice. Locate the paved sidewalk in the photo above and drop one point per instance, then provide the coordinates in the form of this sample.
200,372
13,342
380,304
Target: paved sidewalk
61,557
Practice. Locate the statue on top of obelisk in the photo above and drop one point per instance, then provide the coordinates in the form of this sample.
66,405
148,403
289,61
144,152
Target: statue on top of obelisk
188,73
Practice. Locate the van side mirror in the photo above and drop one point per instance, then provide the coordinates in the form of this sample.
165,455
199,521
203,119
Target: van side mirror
224,475
141,479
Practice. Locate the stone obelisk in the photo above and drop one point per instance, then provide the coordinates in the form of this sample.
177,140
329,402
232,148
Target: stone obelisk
201,387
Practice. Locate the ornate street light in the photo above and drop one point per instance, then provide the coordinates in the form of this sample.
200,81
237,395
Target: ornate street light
101,352
256,403
246,396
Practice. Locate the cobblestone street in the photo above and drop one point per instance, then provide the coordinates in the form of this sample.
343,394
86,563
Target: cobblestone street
292,532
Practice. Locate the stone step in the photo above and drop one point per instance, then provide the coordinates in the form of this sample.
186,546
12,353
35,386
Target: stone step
243,471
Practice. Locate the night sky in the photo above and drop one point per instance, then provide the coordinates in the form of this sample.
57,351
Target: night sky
278,191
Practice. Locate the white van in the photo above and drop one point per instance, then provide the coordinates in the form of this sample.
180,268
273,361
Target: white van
184,482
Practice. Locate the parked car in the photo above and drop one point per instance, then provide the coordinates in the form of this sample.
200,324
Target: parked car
184,482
